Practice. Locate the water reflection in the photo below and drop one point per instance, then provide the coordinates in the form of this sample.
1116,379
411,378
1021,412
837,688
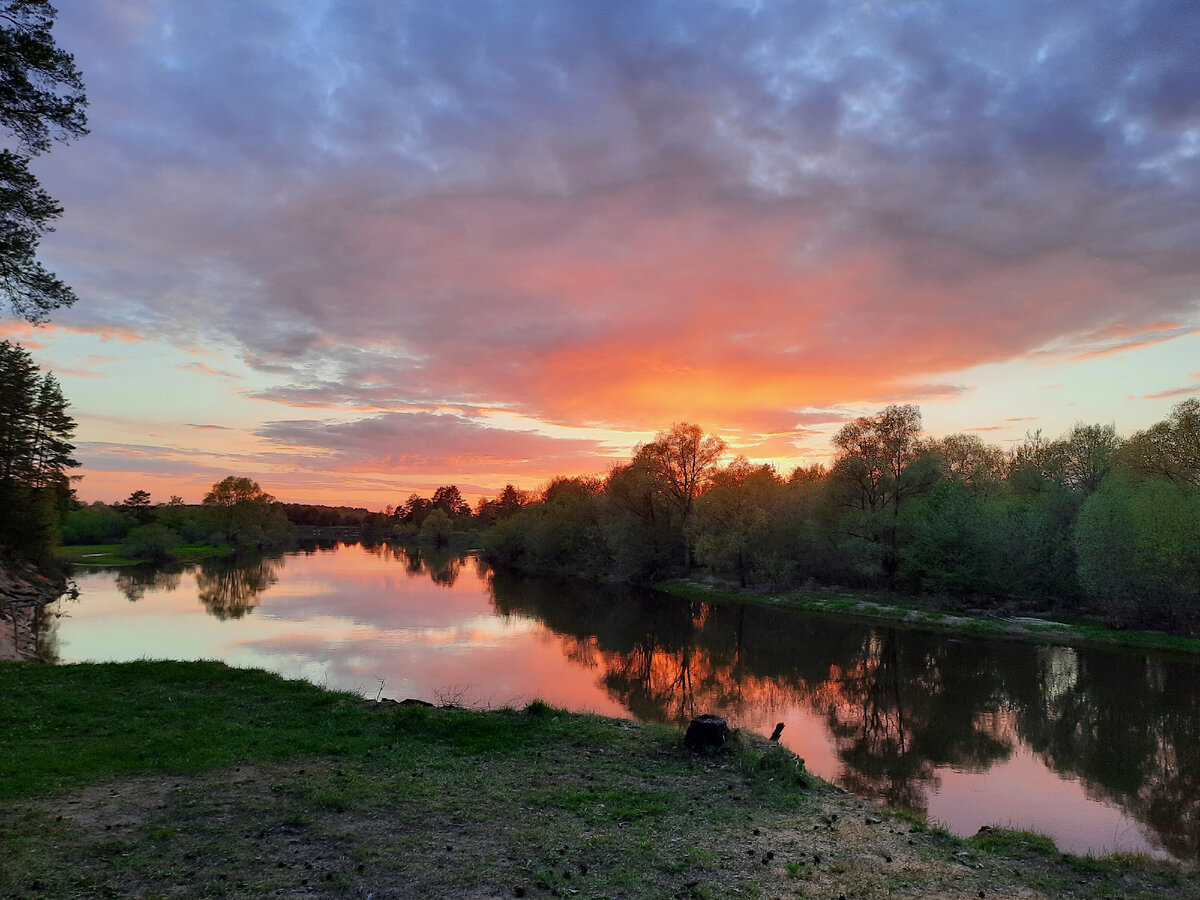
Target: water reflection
441,565
904,716
136,581
900,706
230,588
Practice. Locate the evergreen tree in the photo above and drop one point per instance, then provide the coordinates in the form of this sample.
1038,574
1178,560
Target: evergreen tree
35,454
41,99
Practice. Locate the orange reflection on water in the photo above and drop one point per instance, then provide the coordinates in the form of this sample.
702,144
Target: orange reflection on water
919,720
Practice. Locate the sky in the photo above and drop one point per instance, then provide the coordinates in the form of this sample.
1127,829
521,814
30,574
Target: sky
357,249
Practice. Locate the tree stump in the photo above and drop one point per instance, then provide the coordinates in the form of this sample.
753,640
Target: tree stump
706,732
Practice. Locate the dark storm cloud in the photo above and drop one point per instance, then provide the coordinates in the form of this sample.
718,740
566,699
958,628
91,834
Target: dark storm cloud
385,204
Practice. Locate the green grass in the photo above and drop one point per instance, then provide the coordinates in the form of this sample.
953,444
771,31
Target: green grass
110,554
157,779
895,611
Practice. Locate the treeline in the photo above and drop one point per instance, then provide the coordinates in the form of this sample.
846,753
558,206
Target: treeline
1089,521
35,454
236,513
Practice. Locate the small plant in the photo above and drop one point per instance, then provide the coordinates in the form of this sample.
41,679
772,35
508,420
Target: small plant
539,708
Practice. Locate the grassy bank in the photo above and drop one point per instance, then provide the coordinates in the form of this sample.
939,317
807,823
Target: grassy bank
110,554
1051,629
157,779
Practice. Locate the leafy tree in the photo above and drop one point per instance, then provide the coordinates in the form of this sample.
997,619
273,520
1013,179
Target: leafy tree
449,499
247,514
414,510
730,521
150,543
966,458
437,528
1169,450
1138,553
97,523
511,501
563,532
635,521
880,464
1086,454
683,461
951,539
41,99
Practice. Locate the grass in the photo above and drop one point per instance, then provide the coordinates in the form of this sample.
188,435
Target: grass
110,554
154,779
894,611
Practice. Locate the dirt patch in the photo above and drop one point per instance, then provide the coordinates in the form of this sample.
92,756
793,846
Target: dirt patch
538,803
319,831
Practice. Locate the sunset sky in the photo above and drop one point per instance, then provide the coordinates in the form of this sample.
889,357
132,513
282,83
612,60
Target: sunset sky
356,249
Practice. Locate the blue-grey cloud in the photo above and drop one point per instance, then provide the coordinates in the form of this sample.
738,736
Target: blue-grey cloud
383,203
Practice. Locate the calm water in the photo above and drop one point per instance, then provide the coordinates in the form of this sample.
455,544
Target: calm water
1100,750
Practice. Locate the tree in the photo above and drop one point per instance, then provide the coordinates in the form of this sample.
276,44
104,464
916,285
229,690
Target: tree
1138,554
683,461
437,528
35,453
414,509
449,499
137,505
968,459
1169,450
730,522
1085,454
880,463
41,100
248,514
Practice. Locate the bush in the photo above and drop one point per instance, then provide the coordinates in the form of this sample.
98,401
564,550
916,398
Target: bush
96,524
150,543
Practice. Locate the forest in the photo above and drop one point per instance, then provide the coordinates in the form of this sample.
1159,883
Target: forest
1088,522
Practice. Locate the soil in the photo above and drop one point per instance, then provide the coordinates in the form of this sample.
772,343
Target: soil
255,831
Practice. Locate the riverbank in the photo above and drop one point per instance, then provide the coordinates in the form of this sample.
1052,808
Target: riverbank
162,778
109,555
1047,628
24,594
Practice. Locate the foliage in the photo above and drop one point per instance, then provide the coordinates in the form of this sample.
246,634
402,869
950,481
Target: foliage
97,523
1139,556
880,464
730,523
954,517
437,528
245,514
35,454
137,504
1169,450
41,99
150,543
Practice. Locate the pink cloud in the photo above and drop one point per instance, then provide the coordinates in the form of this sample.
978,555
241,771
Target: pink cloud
1173,392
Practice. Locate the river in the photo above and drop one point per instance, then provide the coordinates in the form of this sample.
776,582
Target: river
1098,749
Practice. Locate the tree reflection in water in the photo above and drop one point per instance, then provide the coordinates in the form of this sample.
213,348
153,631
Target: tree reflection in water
441,565
900,706
135,582
229,588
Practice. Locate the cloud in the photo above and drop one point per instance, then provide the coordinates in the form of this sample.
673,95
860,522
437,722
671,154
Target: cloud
429,443
204,369
1173,392
625,214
